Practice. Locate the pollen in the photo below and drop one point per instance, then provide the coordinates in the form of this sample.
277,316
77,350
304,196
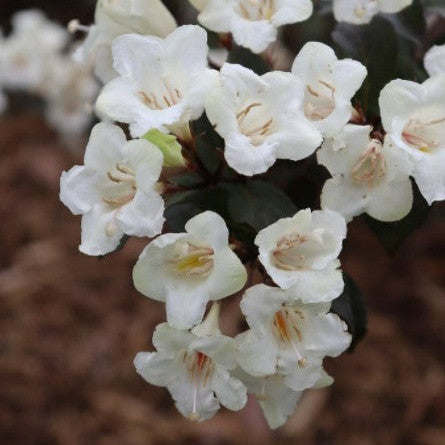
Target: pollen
191,260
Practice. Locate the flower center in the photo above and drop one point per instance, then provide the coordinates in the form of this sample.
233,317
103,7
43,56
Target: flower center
168,96
200,368
287,329
371,165
255,10
368,6
191,260
424,136
124,181
319,100
293,249
248,123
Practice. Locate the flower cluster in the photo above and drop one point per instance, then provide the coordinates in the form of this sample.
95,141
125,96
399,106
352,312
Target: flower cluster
161,82
33,58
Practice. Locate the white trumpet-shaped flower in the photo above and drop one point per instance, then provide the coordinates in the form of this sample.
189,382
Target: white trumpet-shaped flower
288,337
260,119
115,191
366,177
114,18
253,23
25,55
162,83
277,401
413,116
303,251
361,12
186,270
195,367
70,90
329,85
434,60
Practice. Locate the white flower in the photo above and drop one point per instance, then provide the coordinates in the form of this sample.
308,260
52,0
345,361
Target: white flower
329,84
253,23
413,115
366,177
114,18
186,270
162,83
115,190
70,90
199,4
260,119
434,60
277,401
303,251
24,55
194,366
288,337
362,11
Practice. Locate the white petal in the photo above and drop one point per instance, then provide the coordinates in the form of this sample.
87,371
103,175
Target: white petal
257,355
230,391
187,47
292,11
300,378
220,348
96,239
391,203
249,159
434,60
320,286
255,35
430,177
78,189
326,335
104,147
399,98
185,392
185,309
143,216
345,198
155,368
209,228
280,402
170,341
150,277
259,304
228,277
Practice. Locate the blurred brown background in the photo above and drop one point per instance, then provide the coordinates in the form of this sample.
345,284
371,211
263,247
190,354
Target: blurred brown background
70,324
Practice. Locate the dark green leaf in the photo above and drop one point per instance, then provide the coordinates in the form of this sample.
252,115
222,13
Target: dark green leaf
208,144
410,22
257,203
392,235
376,46
245,57
191,179
351,308
183,206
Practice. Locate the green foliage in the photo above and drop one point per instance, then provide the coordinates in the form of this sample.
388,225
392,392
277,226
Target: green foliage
351,308
169,147
257,203
245,57
376,46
